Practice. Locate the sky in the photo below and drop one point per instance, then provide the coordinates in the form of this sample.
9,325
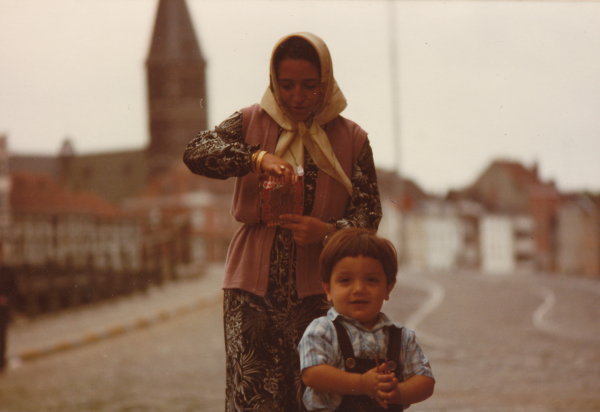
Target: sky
476,81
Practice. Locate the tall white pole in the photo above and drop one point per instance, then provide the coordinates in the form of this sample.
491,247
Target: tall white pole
394,86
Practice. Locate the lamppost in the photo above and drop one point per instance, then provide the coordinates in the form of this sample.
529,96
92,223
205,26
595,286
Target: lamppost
395,103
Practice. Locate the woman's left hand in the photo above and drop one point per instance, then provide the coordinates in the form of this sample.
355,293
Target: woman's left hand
306,230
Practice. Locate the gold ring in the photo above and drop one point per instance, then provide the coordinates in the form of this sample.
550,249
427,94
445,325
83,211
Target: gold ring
282,167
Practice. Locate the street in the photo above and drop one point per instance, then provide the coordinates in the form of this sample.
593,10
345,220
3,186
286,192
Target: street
492,350
496,344
173,366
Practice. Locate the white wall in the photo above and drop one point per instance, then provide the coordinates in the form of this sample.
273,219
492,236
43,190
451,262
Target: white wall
444,236
497,244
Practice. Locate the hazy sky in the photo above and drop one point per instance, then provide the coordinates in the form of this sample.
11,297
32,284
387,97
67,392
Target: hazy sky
477,80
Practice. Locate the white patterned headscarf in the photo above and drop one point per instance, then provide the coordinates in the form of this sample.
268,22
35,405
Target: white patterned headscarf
309,133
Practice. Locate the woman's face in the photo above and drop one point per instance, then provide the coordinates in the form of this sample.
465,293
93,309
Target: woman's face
299,87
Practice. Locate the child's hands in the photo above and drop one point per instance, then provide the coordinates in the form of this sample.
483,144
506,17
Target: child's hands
387,388
370,382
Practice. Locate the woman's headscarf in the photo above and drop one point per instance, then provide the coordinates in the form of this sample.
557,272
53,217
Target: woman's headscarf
309,134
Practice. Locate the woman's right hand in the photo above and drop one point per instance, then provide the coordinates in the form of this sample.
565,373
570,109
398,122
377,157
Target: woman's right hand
276,166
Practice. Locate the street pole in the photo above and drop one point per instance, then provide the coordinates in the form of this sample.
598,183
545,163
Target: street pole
395,110
394,85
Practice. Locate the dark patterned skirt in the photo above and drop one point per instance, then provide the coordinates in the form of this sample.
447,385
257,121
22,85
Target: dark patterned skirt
262,336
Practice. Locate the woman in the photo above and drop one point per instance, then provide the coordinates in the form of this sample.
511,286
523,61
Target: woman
272,287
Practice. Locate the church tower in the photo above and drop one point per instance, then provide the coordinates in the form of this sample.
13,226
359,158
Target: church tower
176,86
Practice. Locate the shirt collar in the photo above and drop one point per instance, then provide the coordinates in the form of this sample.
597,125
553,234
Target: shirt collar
381,322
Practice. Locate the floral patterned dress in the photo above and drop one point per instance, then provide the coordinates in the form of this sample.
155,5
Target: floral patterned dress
262,334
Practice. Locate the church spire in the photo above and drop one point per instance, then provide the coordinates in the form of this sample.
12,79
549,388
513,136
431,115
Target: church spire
176,85
174,37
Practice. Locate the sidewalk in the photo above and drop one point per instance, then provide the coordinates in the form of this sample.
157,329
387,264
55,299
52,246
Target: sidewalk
30,339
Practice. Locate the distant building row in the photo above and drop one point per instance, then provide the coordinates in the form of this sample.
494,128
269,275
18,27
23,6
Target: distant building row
507,221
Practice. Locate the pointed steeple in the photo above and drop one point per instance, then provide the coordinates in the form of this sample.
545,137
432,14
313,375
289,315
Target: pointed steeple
174,37
176,85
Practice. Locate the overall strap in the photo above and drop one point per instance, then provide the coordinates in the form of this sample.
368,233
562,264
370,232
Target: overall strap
394,339
393,352
345,345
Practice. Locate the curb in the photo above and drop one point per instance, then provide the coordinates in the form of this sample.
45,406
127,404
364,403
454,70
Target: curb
114,330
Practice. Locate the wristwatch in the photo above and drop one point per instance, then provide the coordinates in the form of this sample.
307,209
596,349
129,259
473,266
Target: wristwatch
330,232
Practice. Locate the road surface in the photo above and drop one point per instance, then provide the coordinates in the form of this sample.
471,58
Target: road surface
496,344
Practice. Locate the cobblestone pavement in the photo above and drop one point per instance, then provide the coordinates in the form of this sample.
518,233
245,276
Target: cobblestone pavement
529,343
28,339
496,344
174,366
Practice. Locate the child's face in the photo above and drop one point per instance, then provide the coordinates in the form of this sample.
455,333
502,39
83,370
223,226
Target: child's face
358,288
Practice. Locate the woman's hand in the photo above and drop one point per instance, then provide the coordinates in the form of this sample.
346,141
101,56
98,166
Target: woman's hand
276,166
306,230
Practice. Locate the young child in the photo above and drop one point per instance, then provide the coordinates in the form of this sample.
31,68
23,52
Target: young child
356,358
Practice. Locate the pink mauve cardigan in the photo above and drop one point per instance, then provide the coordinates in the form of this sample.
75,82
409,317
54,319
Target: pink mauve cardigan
248,262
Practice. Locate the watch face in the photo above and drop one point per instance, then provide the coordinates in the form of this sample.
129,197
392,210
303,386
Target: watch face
391,366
